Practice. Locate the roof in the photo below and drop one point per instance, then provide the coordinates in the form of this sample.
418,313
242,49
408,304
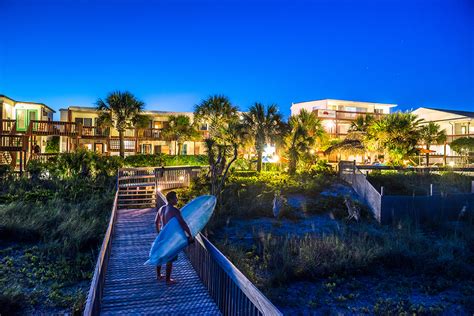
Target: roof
89,108
350,101
16,101
456,112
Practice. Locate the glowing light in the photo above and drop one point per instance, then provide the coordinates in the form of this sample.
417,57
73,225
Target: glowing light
269,150
181,178
159,189
276,158
451,163
312,151
329,124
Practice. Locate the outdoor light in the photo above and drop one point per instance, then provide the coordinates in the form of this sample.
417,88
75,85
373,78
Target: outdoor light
276,158
329,124
312,151
159,189
181,178
269,150
451,163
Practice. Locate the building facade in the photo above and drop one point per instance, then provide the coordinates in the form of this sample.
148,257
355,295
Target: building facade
456,124
337,115
106,140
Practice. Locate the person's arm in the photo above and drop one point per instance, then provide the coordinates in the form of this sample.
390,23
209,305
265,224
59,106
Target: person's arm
158,220
183,224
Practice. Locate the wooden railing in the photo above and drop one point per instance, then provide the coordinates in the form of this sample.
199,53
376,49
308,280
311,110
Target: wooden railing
13,143
57,128
94,131
136,176
7,126
150,133
349,115
233,293
43,157
97,284
175,177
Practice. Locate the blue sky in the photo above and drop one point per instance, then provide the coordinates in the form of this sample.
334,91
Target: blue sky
172,54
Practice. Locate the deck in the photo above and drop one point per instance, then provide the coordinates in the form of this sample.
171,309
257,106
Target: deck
131,287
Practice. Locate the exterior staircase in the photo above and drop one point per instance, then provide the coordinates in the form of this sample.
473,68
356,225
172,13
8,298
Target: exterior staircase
136,192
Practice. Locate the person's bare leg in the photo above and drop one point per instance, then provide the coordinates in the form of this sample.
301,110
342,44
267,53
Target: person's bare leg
158,273
169,268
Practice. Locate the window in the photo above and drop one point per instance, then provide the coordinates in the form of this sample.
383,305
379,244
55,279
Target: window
378,111
87,122
79,120
203,127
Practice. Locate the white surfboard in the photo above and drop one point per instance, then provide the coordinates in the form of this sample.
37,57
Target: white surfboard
172,239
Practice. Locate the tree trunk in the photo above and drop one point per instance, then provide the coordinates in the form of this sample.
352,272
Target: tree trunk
179,148
259,160
427,155
122,144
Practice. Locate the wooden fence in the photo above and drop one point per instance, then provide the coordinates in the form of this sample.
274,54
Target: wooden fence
349,172
96,289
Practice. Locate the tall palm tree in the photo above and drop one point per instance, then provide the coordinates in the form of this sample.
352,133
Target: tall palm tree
304,129
396,134
217,112
180,129
431,134
121,110
263,124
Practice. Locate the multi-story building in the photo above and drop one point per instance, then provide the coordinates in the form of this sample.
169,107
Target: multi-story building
106,140
18,121
337,115
26,128
455,123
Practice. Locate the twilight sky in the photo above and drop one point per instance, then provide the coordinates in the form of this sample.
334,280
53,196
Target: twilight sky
172,54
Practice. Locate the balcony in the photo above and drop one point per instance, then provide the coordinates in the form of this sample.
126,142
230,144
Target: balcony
150,134
344,115
7,126
13,143
53,128
94,132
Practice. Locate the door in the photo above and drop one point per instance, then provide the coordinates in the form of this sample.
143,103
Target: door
99,148
23,118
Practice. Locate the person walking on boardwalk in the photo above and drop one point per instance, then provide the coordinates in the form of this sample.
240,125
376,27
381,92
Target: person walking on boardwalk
163,216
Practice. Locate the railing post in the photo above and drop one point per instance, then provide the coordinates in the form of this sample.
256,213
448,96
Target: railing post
431,189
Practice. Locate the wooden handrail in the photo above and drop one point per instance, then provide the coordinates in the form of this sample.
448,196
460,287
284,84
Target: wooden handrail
231,290
233,293
97,284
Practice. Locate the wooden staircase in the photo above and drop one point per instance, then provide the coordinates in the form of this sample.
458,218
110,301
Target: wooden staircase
131,197
136,191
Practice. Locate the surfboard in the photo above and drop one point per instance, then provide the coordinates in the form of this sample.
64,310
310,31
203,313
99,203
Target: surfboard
172,239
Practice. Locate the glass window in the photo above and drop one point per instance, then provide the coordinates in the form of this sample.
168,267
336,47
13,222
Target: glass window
87,122
79,120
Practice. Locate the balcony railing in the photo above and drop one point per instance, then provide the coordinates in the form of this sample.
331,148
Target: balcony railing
7,126
150,133
13,143
344,115
94,131
57,128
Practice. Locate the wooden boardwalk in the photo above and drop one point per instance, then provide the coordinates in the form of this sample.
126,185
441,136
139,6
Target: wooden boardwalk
131,287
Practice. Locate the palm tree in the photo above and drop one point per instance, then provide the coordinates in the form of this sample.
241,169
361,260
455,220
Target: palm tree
217,112
304,129
224,138
396,134
121,110
431,134
180,129
263,124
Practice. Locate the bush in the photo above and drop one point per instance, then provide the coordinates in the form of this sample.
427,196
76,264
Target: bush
156,160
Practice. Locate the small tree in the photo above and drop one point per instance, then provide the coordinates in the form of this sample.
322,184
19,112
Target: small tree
464,146
431,134
180,129
121,110
263,124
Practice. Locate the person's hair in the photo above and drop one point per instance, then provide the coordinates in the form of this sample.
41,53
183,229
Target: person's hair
171,195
